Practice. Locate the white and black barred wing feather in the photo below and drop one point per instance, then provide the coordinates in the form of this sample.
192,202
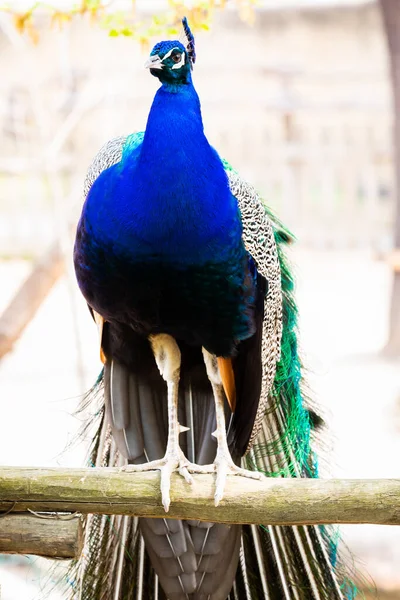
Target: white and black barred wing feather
259,240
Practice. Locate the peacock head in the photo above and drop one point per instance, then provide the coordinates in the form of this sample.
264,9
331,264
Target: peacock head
173,61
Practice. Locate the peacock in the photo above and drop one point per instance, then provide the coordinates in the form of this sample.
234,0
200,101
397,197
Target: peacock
183,269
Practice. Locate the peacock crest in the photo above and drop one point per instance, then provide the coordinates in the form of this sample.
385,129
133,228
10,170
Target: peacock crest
189,42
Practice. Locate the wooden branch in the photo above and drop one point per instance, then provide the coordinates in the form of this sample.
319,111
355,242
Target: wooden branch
47,536
28,298
270,501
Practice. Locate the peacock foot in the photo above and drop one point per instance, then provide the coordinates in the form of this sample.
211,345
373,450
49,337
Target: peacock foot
224,465
173,461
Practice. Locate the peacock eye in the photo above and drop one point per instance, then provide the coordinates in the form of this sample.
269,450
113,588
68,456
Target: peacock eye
176,58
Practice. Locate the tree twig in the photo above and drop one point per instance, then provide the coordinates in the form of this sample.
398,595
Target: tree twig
28,298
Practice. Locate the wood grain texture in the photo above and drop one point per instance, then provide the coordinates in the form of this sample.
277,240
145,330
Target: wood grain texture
270,501
49,536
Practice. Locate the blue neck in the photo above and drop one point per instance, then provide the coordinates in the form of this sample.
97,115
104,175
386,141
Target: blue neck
174,198
174,125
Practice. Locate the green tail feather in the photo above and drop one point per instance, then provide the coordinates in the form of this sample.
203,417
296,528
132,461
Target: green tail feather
285,449
288,394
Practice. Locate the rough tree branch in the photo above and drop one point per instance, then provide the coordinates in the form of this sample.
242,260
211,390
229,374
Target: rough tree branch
30,295
271,501
47,536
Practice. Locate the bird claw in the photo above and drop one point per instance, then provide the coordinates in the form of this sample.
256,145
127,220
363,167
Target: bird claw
177,462
224,466
201,469
172,462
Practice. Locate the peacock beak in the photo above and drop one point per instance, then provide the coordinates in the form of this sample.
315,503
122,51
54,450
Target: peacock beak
154,62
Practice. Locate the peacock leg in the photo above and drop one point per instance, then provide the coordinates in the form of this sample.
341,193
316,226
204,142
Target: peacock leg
168,359
223,463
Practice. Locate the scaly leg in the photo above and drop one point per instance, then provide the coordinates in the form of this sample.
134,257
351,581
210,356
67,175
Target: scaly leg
168,359
223,463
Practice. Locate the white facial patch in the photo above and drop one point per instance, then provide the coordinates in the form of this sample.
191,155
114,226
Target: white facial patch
180,63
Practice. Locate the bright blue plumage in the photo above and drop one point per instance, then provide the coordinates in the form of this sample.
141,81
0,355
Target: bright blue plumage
170,195
162,229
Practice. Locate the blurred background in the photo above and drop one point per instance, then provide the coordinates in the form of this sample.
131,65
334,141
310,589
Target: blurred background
297,95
